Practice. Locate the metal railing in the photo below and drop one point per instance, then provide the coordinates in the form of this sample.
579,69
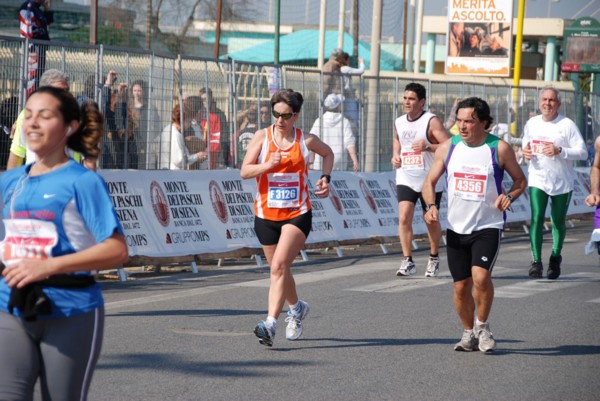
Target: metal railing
236,86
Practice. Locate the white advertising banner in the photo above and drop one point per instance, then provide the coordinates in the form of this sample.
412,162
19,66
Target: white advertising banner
182,213
479,39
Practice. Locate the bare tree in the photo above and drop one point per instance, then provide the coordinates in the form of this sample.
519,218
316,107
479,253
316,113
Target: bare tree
165,15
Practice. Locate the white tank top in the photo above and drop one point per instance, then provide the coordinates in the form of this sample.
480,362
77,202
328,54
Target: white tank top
474,183
415,164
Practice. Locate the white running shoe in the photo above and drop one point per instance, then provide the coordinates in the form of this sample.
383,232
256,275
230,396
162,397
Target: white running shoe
467,343
407,268
433,267
485,338
294,328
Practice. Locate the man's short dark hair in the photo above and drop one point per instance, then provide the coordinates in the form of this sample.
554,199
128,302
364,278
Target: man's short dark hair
480,108
418,89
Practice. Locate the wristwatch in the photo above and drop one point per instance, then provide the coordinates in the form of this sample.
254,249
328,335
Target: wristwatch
428,148
429,206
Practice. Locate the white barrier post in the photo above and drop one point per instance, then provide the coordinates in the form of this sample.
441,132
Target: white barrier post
122,274
304,255
384,249
194,267
339,252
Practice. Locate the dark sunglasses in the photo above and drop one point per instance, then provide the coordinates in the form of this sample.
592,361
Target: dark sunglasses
285,116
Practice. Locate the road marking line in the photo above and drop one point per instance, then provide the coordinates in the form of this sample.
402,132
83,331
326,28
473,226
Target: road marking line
596,301
167,296
527,288
322,275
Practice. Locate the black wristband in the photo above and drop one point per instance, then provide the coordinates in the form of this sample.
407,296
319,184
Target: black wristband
327,176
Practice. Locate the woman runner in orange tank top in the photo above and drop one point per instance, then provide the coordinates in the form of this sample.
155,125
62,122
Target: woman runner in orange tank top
277,157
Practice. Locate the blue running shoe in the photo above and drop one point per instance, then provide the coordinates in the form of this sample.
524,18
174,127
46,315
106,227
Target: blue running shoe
265,334
294,320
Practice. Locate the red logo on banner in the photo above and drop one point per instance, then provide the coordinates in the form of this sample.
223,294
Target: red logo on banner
218,201
159,204
368,196
335,199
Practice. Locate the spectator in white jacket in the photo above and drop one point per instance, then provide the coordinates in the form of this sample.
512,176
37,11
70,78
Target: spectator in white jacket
336,131
173,152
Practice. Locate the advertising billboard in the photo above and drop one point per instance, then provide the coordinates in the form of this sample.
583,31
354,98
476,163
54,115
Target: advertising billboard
582,46
479,39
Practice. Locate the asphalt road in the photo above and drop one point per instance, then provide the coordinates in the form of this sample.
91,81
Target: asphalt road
369,335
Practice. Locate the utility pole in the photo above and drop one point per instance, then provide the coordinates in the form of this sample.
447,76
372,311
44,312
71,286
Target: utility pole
341,24
404,35
94,22
277,30
148,24
322,17
372,132
218,29
418,37
354,28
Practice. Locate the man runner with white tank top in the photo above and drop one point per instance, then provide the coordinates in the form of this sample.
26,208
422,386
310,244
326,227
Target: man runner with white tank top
474,163
417,134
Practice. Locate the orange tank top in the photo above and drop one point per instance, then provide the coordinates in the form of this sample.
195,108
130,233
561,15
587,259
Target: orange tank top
282,192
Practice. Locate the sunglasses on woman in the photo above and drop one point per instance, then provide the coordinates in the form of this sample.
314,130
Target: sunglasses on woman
285,116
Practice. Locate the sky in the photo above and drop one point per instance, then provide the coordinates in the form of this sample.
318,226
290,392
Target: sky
307,11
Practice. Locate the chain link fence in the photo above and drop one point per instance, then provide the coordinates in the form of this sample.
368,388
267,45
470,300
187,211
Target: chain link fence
225,101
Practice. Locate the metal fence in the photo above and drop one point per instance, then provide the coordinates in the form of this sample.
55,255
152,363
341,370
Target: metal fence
138,129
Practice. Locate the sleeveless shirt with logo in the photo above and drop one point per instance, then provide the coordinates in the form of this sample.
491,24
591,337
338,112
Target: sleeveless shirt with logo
282,192
474,179
415,164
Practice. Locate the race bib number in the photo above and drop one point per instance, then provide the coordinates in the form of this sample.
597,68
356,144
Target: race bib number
471,184
538,144
284,190
412,160
28,239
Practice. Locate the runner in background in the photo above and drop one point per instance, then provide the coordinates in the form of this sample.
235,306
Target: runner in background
417,134
593,199
551,142
278,157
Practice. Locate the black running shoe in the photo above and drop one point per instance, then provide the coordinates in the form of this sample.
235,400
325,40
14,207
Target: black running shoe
536,269
554,268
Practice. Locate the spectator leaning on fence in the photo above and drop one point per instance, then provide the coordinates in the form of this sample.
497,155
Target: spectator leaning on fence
337,133
174,153
216,131
331,81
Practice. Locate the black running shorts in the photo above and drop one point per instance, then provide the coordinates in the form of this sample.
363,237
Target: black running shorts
269,231
480,248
